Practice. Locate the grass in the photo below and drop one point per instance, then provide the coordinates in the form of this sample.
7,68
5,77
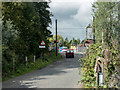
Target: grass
31,66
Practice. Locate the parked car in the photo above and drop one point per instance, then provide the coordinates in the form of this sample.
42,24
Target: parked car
70,54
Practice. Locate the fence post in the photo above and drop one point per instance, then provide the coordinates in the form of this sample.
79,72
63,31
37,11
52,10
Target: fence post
13,64
34,58
97,76
26,60
100,72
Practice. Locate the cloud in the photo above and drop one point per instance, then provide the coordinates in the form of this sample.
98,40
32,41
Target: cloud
72,15
84,13
73,0
64,10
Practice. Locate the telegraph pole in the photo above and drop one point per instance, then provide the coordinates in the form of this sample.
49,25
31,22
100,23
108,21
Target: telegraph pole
86,32
102,36
119,22
93,30
56,35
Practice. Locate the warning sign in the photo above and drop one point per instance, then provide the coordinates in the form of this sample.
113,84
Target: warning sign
42,43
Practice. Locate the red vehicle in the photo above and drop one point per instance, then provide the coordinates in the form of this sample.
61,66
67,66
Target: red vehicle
70,54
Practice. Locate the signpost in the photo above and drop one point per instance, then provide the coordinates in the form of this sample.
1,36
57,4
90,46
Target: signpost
42,44
99,67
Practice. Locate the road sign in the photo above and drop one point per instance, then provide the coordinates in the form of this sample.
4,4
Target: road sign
41,46
42,43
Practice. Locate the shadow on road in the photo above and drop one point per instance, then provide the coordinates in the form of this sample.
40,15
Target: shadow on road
56,69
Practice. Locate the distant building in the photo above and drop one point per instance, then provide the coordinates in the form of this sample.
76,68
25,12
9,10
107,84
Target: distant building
88,42
83,47
80,48
80,45
74,44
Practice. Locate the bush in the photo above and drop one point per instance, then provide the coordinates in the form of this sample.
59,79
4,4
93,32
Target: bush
22,68
88,64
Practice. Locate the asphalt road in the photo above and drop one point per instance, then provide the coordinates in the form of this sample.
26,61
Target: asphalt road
61,74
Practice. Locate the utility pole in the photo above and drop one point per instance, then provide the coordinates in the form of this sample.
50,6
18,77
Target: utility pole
119,23
86,33
56,35
93,30
102,37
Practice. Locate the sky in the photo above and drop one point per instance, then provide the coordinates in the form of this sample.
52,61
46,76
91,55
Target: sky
72,16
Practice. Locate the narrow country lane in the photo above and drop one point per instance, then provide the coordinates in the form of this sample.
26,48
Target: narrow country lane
61,74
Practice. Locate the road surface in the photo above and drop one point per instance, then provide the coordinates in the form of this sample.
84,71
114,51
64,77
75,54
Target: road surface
61,74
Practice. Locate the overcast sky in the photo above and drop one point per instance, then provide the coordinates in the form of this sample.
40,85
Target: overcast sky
73,16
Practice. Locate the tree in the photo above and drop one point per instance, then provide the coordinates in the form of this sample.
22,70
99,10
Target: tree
73,41
59,39
107,19
31,20
82,41
8,51
25,25
66,42
78,41
106,14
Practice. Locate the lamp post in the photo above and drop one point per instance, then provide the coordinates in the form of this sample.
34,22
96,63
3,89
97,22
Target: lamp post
93,29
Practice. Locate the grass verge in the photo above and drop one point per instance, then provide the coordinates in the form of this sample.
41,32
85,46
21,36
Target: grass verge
31,66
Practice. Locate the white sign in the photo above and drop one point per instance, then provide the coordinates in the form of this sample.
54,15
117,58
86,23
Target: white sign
41,46
100,77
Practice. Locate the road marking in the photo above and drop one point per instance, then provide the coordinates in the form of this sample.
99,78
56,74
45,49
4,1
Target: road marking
32,87
26,84
13,81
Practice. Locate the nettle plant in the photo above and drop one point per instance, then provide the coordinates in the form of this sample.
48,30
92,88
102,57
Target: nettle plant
113,66
88,64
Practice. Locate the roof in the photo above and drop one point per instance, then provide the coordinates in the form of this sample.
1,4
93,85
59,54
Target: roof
89,41
79,45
